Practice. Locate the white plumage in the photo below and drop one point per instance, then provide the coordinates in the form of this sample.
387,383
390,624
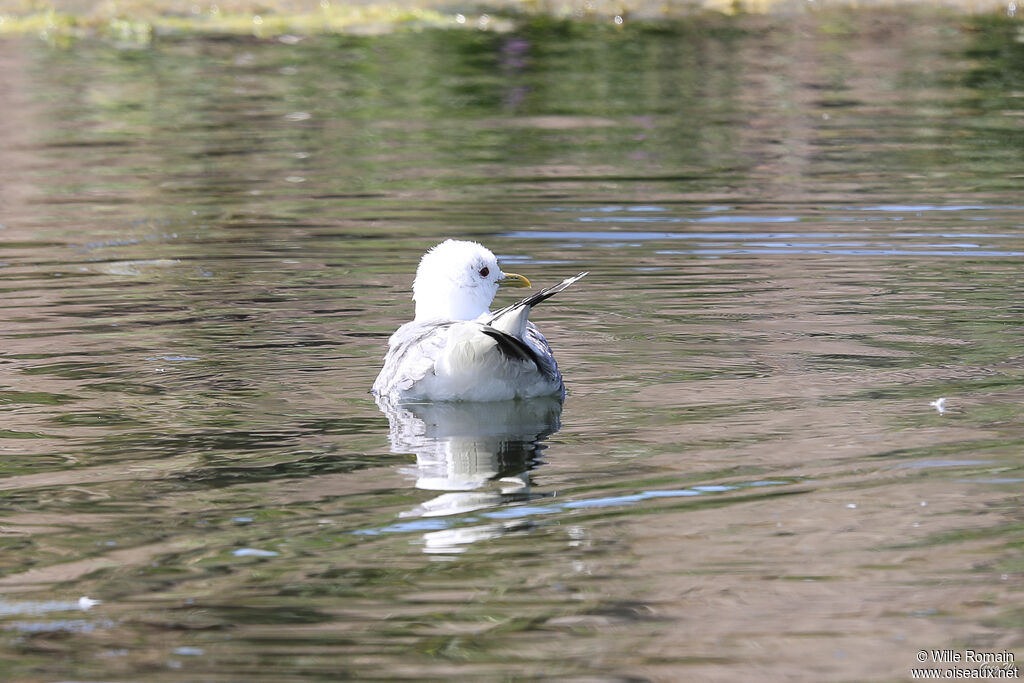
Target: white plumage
456,349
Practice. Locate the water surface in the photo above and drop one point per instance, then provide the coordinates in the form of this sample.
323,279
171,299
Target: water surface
801,234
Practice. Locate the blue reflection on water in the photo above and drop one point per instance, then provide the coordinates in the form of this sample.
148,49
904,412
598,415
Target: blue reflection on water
847,252
723,236
525,511
619,235
676,219
34,607
817,243
60,625
834,243
915,208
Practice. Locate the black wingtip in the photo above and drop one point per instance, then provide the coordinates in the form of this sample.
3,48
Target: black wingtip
511,347
540,296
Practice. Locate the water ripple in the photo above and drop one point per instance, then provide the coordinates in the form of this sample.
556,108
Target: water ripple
526,511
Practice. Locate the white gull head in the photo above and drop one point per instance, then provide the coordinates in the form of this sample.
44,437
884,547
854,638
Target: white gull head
457,280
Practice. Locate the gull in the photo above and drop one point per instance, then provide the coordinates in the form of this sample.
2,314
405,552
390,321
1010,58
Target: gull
456,349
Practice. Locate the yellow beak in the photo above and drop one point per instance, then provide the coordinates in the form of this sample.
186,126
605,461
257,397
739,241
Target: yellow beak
514,280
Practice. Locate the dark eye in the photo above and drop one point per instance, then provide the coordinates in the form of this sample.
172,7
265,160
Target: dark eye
485,271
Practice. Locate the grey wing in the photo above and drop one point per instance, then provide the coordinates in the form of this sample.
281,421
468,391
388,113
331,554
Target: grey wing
545,357
413,350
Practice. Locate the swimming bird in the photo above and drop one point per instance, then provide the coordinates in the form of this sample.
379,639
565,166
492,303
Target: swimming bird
456,349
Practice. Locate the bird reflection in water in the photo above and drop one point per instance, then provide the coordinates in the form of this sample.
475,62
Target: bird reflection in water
478,455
